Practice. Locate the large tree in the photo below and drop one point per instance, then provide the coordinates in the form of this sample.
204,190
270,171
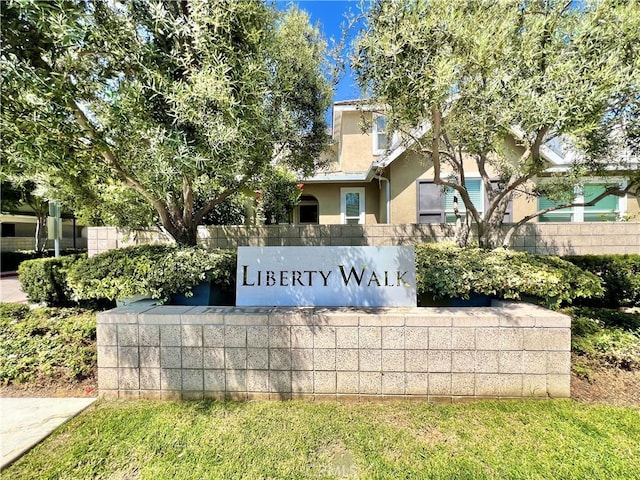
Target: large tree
164,104
479,71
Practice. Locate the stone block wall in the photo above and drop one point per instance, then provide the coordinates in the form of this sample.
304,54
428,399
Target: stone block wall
438,354
13,244
543,238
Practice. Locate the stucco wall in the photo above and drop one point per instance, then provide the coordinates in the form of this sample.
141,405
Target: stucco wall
328,196
355,147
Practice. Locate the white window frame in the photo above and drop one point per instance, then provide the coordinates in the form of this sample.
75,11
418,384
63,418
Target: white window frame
343,204
622,201
577,213
375,134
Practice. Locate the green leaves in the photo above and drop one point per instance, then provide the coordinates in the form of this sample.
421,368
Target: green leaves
156,271
446,271
150,96
46,344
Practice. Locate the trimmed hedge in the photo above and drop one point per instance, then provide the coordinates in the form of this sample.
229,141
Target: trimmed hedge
620,275
156,271
447,271
44,280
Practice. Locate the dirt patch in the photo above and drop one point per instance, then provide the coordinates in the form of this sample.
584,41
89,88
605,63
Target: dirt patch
85,388
335,460
612,386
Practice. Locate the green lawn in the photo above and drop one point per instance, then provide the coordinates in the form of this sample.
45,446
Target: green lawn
519,439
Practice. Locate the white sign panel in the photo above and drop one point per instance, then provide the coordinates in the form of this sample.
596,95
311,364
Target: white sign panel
326,276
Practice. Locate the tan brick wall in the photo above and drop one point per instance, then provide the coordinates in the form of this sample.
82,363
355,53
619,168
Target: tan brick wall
12,244
506,351
543,238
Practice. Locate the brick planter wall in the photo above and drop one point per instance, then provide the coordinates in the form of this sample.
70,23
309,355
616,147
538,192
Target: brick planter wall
445,354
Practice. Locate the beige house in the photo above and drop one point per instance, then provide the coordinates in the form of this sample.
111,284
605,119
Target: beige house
18,228
371,178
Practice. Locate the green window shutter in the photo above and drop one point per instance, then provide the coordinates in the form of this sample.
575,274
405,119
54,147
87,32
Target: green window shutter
606,205
474,188
560,215
544,203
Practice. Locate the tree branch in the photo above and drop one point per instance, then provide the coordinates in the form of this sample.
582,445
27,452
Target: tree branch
111,160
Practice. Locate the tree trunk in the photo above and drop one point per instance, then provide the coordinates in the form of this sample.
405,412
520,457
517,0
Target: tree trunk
490,233
462,230
182,234
41,235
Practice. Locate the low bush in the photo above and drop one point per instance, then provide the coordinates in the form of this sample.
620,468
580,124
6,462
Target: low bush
608,337
156,271
46,344
44,280
620,275
447,271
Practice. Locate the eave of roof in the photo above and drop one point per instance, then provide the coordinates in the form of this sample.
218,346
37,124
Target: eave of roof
342,177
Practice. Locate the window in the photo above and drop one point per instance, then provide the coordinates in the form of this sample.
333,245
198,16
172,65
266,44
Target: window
380,137
561,215
436,206
609,209
606,210
474,187
308,210
352,206
8,229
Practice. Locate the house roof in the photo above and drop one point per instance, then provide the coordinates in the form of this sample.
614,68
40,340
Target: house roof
557,154
342,177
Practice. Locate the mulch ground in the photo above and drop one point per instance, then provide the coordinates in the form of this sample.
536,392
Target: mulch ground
607,385
85,388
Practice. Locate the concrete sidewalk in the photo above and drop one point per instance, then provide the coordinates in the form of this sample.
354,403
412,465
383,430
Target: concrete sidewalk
11,290
25,422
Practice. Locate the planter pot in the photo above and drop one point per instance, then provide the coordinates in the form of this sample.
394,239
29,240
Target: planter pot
126,301
204,294
474,300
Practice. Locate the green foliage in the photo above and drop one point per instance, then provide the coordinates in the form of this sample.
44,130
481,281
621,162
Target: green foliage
46,344
620,275
447,271
609,337
45,279
280,193
156,271
144,112
230,212
483,71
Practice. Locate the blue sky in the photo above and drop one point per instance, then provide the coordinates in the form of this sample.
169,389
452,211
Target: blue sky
329,14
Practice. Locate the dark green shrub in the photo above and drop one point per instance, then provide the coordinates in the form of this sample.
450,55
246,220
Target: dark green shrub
446,271
44,280
609,317
610,337
156,271
46,344
620,275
